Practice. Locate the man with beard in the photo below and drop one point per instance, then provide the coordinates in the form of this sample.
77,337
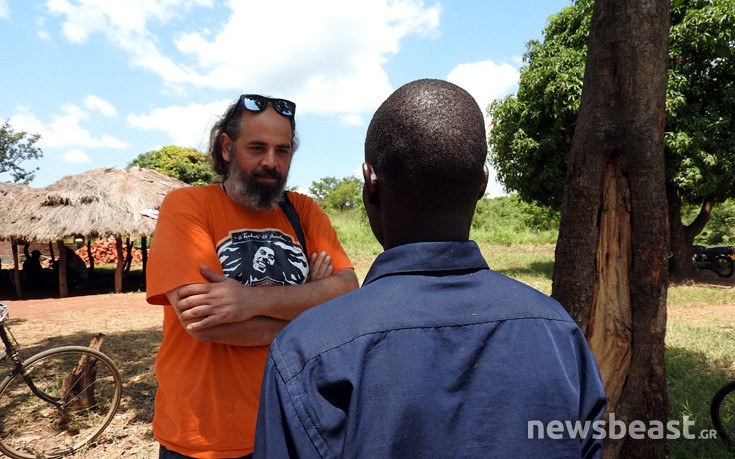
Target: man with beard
217,327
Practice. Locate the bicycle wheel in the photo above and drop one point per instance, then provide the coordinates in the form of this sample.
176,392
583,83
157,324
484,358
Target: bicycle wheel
31,428
722,410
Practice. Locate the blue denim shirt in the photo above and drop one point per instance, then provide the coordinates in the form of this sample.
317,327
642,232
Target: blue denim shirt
435,356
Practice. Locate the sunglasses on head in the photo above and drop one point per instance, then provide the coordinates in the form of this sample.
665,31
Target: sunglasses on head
256,103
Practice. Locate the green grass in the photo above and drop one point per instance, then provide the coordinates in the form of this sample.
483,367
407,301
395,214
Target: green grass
699,360
700,345
691,295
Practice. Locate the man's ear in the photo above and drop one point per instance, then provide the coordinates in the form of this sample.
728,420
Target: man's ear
485,179
371,183
226,143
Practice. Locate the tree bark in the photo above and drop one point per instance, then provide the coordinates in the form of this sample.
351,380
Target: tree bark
611,268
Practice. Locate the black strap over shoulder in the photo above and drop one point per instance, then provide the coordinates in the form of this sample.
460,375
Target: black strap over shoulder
293,218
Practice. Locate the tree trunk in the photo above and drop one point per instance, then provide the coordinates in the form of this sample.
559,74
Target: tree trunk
611,268
682,237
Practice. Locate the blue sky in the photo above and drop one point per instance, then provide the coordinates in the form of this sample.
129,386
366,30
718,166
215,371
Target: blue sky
103,81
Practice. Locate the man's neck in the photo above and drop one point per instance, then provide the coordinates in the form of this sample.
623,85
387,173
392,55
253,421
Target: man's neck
408,228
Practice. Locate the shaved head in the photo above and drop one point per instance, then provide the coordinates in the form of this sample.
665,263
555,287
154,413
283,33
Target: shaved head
427,143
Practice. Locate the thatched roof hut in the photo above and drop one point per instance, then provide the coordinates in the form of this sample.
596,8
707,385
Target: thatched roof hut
98,203
10,194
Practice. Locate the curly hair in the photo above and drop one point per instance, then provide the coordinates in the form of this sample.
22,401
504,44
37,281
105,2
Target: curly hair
230,124
427,144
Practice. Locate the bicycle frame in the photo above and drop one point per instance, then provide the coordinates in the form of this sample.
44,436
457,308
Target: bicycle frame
12,353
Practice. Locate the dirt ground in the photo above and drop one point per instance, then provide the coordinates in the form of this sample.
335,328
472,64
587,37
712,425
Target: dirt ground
132,329
132,335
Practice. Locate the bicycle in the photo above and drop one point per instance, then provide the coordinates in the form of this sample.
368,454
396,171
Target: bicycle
57,401
722,410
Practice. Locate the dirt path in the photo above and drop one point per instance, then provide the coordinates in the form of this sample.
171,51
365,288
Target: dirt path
111,312
132,336
36,320
132,329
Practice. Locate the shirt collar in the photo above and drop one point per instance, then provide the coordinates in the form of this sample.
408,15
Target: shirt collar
427,257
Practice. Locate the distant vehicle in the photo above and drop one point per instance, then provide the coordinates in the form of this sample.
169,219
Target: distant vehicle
720,259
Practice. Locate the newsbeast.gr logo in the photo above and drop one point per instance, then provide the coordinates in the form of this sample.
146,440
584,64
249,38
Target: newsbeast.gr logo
616,429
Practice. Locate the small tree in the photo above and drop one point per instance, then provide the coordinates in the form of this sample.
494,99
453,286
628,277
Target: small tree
16,147
337,194
186,164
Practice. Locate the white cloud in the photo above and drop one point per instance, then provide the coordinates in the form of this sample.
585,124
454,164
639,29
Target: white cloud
327,54
76,155
330,60
98,104
4,9
187,126
64,131
352,120
117,18
485,80
74,111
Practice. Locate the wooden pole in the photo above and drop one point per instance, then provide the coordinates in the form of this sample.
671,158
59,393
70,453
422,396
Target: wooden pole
120,264
129,257
89,255
16,272
63,285
144,249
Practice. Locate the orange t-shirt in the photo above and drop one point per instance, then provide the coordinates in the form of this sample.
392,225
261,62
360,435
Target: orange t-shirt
207,400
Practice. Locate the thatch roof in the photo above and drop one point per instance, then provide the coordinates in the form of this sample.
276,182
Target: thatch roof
10,196
97,203
7,188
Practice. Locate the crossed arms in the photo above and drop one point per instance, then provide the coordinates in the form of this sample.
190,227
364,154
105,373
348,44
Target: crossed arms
226,311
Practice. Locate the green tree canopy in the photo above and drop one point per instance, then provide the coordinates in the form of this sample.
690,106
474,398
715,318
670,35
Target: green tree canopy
700,118
532,131
16,147
186,164
337,194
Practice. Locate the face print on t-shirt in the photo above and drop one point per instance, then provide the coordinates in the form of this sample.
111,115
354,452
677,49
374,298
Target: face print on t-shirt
262,257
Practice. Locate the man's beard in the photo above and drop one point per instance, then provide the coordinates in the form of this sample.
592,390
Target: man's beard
250,193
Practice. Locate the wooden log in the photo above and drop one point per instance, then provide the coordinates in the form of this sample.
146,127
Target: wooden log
77,389
78,386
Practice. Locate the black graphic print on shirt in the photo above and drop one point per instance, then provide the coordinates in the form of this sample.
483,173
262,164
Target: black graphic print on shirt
263,257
